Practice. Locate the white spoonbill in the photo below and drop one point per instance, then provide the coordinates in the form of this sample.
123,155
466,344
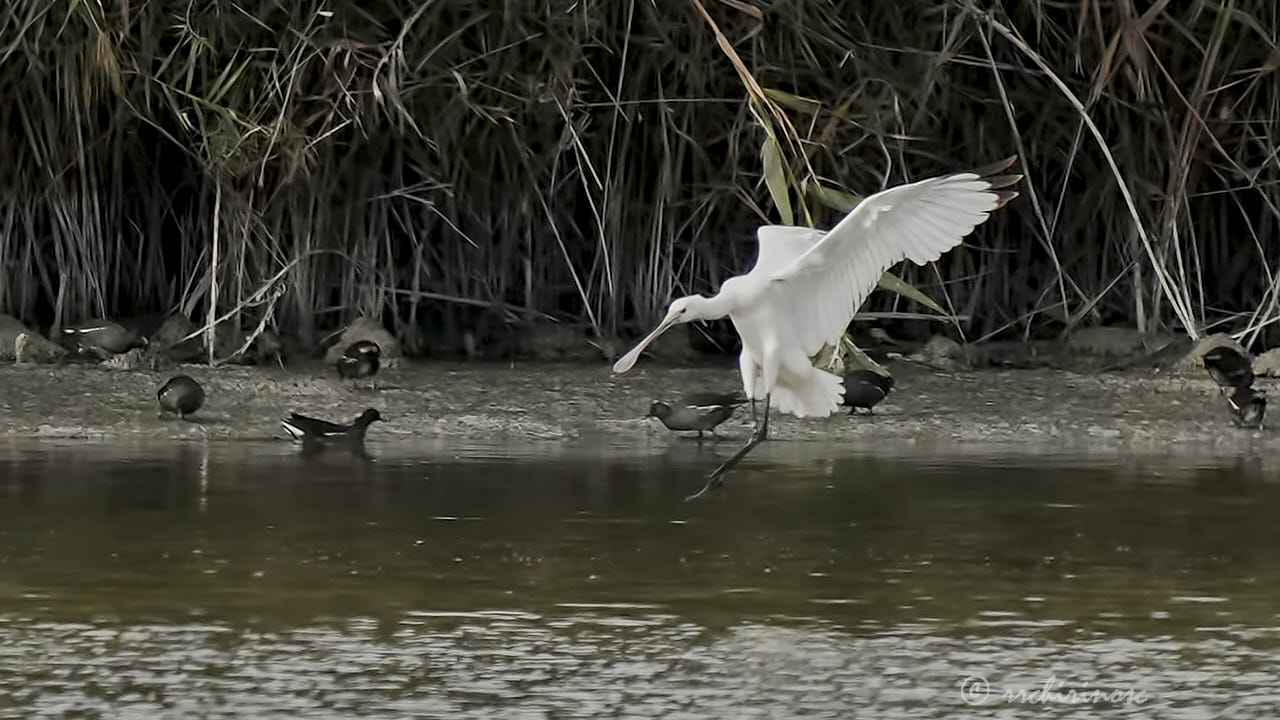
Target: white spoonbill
807,285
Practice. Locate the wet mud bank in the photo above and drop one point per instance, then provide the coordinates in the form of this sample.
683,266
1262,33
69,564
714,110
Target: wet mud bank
1032,410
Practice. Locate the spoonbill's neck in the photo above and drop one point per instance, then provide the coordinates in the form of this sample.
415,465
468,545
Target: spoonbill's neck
712,308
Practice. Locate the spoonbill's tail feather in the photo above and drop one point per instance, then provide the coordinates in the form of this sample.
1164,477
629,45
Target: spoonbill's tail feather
996,185
817,394
995,167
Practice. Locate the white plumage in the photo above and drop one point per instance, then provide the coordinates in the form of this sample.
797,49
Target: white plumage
807,284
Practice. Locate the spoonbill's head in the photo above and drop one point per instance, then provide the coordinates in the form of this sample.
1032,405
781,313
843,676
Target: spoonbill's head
682,310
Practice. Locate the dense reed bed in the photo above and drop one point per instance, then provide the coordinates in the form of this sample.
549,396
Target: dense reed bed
299,162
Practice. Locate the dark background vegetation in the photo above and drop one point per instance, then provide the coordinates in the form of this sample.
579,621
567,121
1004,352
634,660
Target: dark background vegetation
418,160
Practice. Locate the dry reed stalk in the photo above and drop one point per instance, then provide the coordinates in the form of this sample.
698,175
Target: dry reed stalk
590,163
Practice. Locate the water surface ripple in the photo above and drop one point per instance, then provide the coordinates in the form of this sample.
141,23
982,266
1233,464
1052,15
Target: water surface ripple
239,580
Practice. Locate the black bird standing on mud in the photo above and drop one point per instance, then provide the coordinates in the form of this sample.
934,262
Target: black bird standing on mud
865,388
1234,374
316,434
101,338
701,411
361,360
1228,368
1248,406
181,395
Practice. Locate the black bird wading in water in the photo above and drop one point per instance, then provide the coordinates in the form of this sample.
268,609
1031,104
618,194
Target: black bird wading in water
807,285
700,412
316,435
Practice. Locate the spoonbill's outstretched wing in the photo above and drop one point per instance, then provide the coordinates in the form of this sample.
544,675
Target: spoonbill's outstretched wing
781,245
821,289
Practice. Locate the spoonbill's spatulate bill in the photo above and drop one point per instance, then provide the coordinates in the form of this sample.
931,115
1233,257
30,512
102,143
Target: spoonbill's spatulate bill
807,285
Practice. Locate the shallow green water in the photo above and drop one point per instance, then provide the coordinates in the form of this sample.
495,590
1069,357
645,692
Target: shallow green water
239,580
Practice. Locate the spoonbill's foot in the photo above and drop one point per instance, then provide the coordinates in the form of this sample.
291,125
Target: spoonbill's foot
712,484
715,479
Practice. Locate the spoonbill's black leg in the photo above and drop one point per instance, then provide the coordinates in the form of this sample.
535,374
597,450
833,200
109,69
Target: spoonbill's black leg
758,435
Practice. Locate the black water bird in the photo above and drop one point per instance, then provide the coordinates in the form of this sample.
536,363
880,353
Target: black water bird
362,359
309,429
865,388
1248,406
101,338
180,395
317,435
1228,368
698,411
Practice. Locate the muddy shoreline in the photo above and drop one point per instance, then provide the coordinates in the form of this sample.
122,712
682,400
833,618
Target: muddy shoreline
1009,410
